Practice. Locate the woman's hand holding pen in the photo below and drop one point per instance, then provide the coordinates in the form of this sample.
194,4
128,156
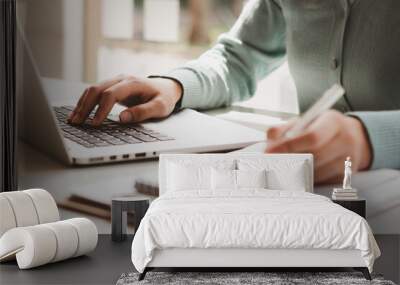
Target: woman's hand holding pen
331,137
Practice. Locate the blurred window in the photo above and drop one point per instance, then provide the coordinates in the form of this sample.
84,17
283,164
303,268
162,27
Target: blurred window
145,37
92,40
123,36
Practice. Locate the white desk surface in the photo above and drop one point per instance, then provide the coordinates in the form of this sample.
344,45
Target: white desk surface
100,183
36,170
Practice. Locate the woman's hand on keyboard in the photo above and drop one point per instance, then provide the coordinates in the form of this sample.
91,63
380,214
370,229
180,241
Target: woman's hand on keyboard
145,98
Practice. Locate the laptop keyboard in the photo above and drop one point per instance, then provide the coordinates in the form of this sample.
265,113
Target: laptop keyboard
110,133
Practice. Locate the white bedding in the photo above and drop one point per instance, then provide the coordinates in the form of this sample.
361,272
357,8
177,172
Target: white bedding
252,218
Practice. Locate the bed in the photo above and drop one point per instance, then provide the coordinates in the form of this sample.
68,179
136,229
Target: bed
246,211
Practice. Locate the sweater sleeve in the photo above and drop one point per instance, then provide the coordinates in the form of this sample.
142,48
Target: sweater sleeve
229,71
383,129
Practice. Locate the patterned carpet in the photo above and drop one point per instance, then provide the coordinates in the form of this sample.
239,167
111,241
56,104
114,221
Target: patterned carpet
268,278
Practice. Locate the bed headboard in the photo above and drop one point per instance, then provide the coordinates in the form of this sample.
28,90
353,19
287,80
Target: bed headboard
237,158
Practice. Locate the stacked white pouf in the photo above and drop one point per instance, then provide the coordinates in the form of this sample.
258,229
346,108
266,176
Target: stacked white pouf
31,231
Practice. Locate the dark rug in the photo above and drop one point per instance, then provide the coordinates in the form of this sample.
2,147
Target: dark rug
229,278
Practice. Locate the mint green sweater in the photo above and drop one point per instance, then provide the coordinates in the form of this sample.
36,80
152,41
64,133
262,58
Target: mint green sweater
352,42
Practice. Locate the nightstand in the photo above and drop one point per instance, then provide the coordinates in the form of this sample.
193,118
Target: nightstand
357,206
138,205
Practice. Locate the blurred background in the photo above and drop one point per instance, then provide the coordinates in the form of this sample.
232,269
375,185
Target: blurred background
91,40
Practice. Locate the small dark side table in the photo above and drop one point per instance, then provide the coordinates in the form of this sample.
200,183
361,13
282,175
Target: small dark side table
358,206
120,207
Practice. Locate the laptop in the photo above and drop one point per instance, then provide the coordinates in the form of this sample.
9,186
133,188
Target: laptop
44,125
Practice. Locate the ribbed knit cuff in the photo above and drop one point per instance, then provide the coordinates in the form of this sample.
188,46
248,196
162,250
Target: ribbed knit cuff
383,129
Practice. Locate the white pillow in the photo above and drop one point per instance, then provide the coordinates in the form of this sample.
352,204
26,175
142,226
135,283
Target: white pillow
251,178
222,179
183,177
281,174
296,181
193,174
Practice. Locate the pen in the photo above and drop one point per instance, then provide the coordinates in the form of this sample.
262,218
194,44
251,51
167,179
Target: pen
328,99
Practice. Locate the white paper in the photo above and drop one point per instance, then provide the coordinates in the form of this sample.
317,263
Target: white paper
161,20
258,121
